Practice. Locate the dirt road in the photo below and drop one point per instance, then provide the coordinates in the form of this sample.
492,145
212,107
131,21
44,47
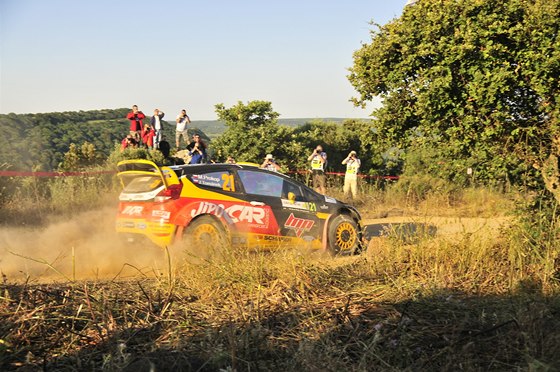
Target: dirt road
445,227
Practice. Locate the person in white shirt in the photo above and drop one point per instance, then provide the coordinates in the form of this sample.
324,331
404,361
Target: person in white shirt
351,177
157,124
270,164
181,129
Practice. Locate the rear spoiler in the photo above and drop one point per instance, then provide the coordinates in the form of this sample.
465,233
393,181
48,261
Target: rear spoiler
147,167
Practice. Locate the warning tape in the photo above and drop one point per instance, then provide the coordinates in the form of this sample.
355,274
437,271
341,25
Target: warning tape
72,174
51,174
343,174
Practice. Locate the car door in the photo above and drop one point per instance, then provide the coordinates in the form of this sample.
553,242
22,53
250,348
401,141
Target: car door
299,213
262,191
294,218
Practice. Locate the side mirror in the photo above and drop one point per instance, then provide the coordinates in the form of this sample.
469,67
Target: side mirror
292,197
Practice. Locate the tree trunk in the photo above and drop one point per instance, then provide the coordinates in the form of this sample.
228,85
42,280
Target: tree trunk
551,176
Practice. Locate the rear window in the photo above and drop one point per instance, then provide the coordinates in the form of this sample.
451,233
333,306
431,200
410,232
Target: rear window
136,166
134,183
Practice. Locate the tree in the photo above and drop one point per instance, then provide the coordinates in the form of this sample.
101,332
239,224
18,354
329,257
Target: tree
39,141
478,79
252,132
78,158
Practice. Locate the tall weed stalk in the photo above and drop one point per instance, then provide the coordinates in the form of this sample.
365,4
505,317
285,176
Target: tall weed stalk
534,248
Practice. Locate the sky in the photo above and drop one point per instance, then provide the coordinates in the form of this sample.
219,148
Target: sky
70,55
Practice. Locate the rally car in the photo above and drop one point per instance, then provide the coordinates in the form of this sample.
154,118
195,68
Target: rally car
230,204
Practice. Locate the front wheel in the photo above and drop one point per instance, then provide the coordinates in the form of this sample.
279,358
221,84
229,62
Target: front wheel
343,235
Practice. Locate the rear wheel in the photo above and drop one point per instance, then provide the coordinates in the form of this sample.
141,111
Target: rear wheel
205,236
343,235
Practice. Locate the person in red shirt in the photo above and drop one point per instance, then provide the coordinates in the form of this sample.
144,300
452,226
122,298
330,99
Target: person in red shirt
148,134
136,118
127,142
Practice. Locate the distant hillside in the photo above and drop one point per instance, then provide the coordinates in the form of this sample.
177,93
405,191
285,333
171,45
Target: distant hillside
39,141
213,128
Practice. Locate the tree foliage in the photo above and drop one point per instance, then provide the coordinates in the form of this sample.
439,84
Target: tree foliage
72,141
80,157
40,141
64,140
476,79
253,131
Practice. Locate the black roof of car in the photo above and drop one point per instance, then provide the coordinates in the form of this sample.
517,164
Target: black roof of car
197,168
192,168
189,169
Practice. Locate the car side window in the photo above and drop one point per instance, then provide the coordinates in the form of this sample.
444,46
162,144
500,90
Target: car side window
260,183
223,180
290,187
308,195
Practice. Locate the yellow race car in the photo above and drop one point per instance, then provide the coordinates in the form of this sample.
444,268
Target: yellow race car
234,204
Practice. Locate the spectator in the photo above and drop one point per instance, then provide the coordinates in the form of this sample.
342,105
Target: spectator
351,177
136,118
127,142
318,161
148,134
165,149
230,160
197,150
157,124
270,164
181,129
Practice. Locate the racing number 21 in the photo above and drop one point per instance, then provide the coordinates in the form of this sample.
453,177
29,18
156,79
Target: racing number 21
229,184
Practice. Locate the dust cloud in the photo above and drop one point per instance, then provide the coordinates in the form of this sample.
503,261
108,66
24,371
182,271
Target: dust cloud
83,247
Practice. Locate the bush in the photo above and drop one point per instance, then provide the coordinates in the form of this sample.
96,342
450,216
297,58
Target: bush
415,189
67,194
30,200
118,155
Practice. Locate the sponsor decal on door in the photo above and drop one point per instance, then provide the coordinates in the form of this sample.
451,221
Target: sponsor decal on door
251,215
299,225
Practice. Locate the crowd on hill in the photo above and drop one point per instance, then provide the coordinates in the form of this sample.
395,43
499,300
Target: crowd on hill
150,135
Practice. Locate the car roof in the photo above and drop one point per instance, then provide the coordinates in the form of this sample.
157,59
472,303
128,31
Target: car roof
196,168
189,169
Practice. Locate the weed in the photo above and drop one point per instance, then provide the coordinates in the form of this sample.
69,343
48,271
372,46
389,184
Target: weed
444,287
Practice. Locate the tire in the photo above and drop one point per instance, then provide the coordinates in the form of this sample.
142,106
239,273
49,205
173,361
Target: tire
343,235
206,235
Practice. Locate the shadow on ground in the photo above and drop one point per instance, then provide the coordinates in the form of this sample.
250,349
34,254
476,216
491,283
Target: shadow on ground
448,330
403,231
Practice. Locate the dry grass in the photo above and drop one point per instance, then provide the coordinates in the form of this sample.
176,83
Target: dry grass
451,294
287,312
33,200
